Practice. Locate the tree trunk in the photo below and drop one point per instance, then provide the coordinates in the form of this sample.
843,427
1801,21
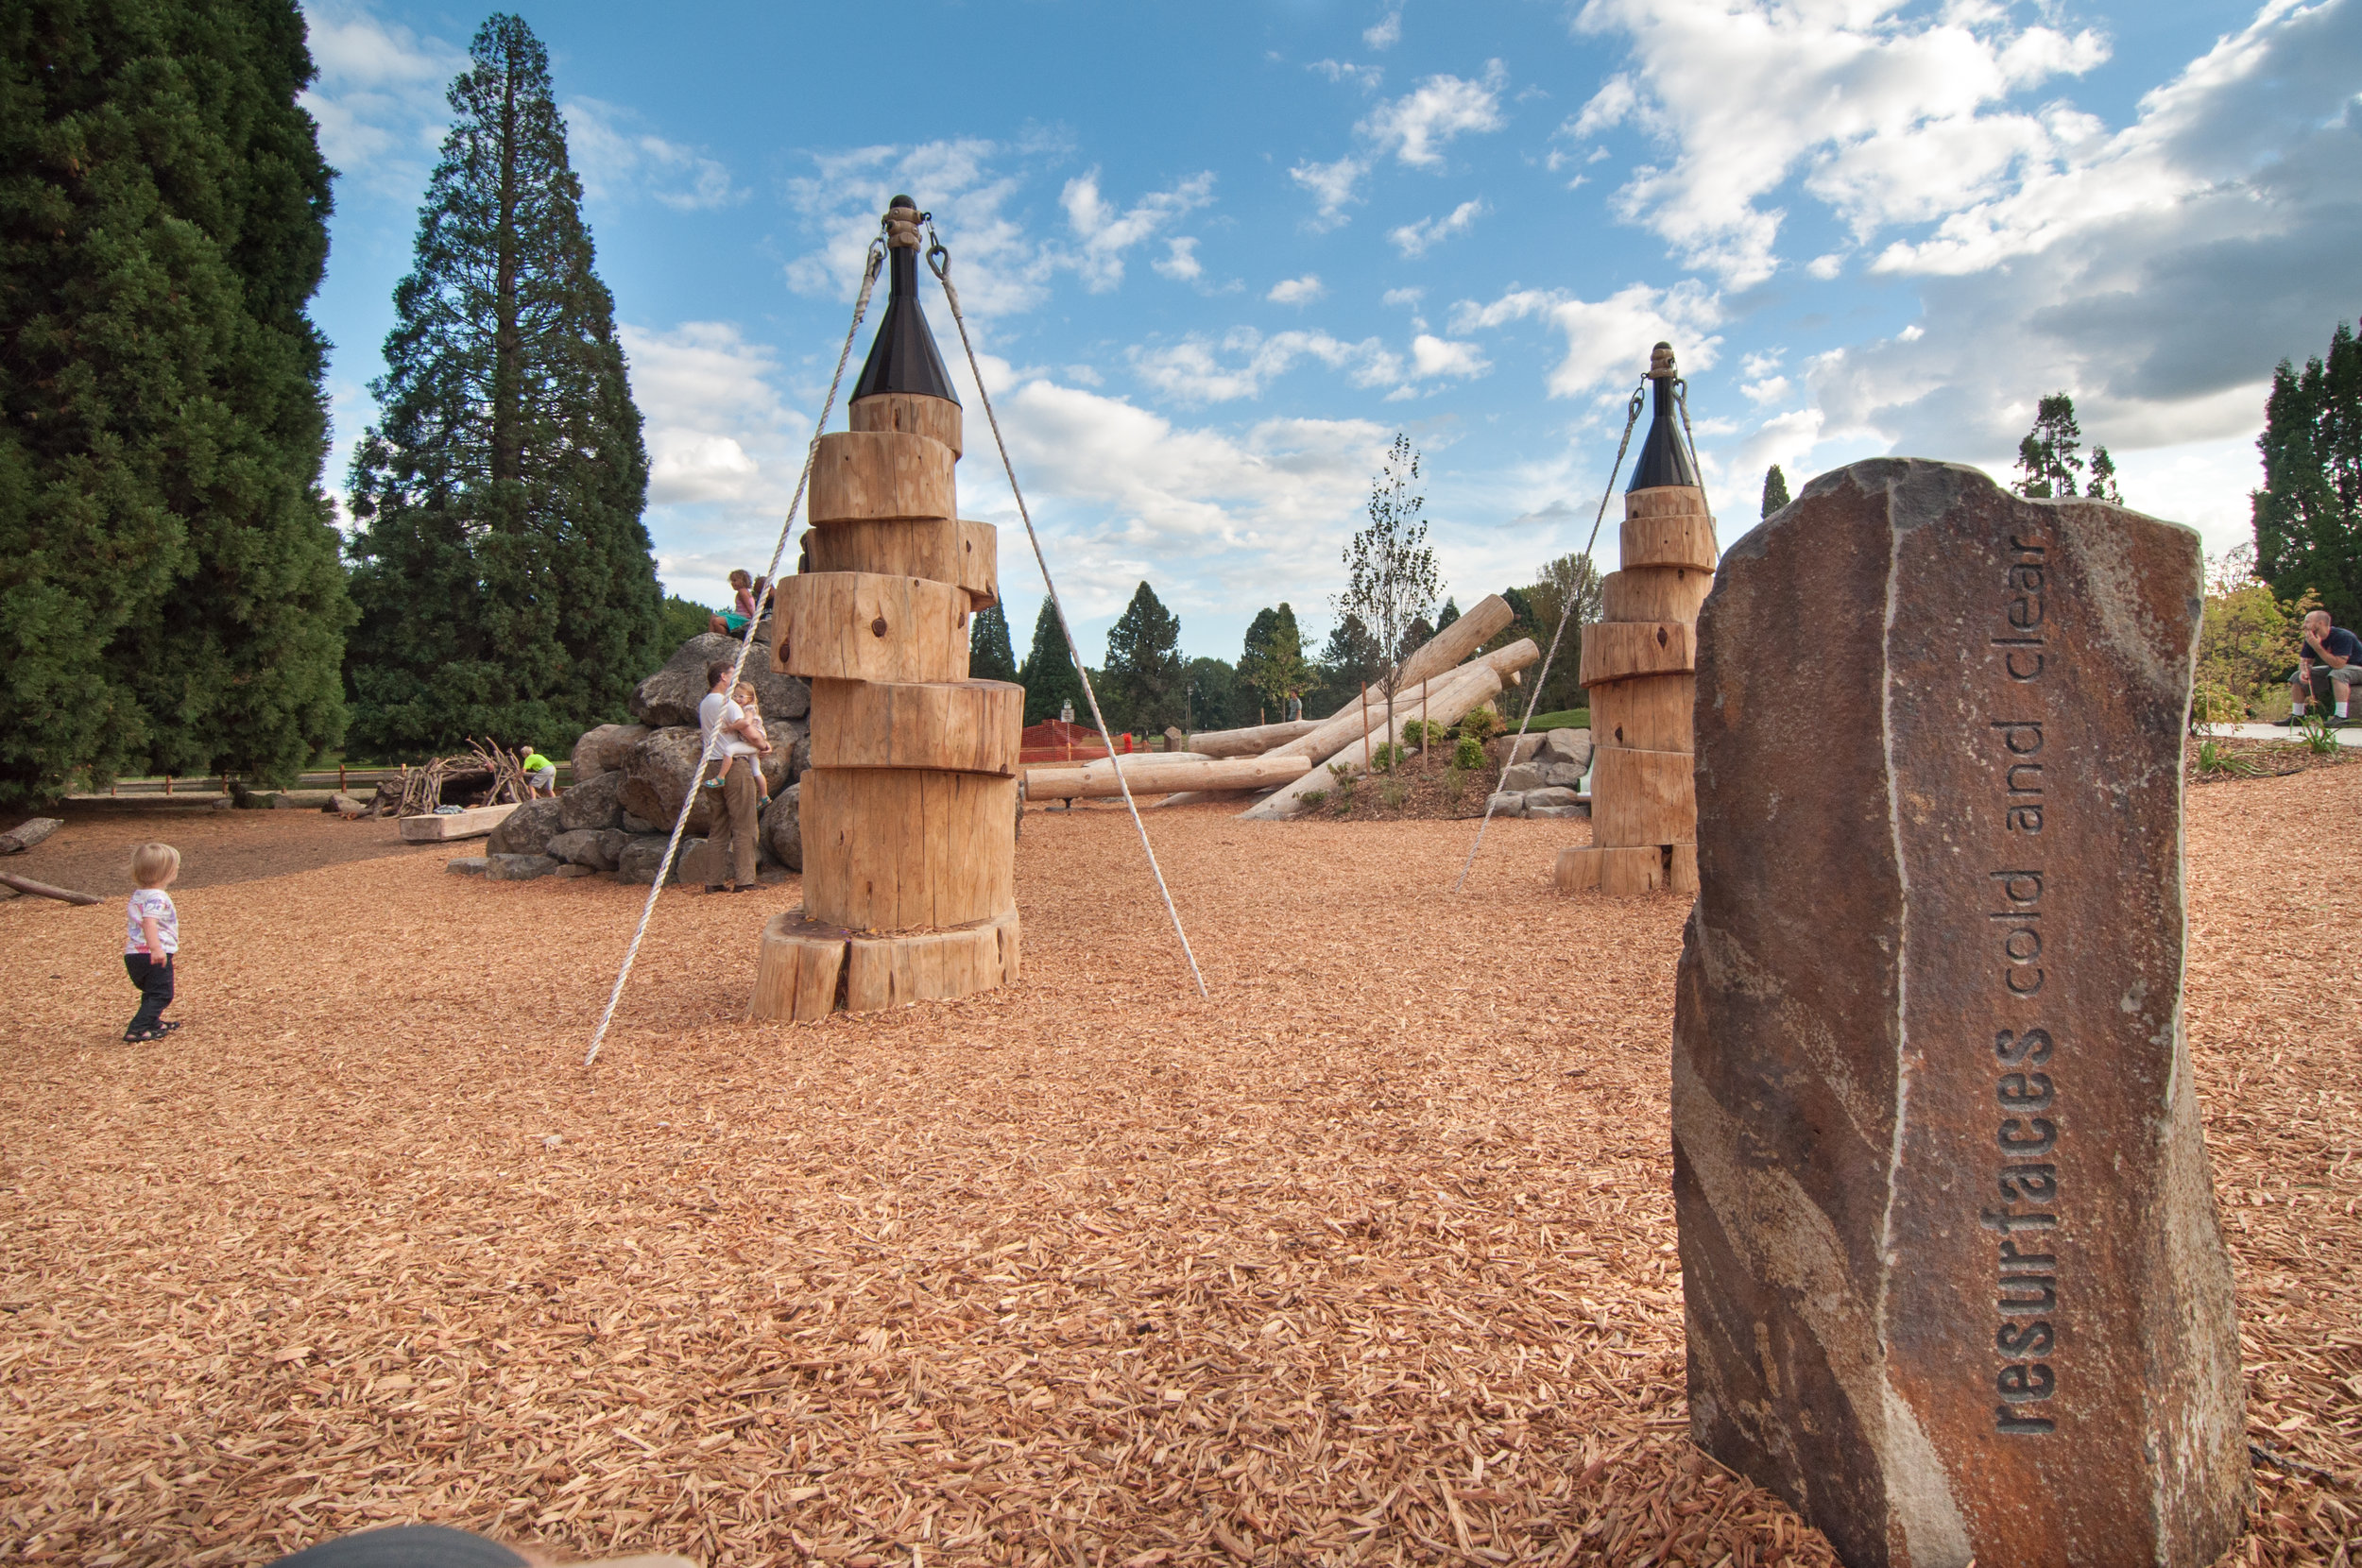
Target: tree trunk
1158,777
25,884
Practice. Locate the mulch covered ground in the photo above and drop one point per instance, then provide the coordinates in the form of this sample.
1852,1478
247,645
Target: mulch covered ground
1371,1255
91,853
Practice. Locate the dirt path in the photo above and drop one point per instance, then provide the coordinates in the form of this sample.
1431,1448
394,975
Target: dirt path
1372,1252
91,853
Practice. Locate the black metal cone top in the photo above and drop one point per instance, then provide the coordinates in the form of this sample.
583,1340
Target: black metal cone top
903,357
1664,456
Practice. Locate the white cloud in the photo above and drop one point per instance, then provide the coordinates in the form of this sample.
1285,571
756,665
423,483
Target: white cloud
1297,291
1366,78
1414,127
1397,297
1180,262
618,159
716,427
1827,267
1105,235
379,97
1417,239
999,267
1607,340
1387,30
1891,116
1196,371
1332,187
1435,356
1768,389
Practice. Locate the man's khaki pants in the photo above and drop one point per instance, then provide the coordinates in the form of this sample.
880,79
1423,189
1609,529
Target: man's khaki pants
734,822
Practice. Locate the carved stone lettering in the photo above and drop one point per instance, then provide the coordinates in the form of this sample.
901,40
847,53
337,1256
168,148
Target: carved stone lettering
1953,1281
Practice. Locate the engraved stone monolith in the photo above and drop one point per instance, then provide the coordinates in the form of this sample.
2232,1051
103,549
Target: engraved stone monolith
1954,1280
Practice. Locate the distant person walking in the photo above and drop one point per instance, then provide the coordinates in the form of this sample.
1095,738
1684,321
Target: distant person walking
150,938
727,739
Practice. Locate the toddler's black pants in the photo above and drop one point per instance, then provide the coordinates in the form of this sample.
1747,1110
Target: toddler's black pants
155,982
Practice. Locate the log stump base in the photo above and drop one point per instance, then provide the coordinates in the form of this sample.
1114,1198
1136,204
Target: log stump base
1627,873
809,969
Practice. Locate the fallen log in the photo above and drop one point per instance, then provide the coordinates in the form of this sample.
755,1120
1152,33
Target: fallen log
1449,700
1253,741
27,833
1359,718
1146,778
1479,623
42,889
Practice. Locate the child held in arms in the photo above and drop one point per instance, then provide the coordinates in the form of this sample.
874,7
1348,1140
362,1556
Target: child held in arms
540,774
744,696
741,615
151,936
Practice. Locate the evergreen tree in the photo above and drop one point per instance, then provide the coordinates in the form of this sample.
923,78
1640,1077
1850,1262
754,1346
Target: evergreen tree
1272,666
1215,699
679,619
1774,490
989,656
1450,613
2308,515
2103,481
503,570
170,596
1347,660
1048,673
1144,665
2049,458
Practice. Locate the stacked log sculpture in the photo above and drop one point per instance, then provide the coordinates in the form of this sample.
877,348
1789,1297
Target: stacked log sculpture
1641,664
909,806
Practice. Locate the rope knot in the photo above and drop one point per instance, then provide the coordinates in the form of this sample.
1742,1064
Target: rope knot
902,220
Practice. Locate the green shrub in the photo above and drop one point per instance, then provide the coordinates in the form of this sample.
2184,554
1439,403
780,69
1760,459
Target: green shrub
1385,758
1468,756
1419,734
1482,724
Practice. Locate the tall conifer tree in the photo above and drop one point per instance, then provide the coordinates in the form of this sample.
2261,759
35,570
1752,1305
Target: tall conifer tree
1774,490
2308,515
1048,673
503,570
989,656
170,596
1145,671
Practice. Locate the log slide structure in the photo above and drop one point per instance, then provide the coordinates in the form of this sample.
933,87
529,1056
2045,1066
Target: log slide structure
1641,664
908,807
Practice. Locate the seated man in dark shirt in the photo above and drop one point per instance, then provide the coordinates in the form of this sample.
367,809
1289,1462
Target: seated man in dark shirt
2330,656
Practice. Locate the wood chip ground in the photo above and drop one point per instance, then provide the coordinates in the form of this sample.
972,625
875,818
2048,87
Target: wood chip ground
1368,1258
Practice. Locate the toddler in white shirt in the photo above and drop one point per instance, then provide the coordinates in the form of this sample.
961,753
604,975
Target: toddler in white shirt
150,938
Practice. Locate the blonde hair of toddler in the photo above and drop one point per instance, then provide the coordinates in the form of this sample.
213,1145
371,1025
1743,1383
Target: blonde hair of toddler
154,864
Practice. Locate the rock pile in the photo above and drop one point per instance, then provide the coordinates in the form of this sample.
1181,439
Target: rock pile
628,781
1545,779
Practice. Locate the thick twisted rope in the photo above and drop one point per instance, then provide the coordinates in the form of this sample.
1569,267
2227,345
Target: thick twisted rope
871,266
1631,417
939,262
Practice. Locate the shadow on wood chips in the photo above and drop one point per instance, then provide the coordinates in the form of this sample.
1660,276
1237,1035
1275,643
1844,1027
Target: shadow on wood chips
1370,1257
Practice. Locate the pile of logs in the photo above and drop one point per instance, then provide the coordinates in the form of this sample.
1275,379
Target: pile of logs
483,776
1443,682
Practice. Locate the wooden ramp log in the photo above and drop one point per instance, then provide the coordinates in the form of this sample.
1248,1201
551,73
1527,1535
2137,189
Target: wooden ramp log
861,626
951,726
1251,741
1361,719
913,413
894,850
42,889
1654,713
1642,797
1149,779
1449,648
1473,685
27,833
472,822
872,475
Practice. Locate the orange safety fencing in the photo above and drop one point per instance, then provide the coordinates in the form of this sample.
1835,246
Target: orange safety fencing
1056,740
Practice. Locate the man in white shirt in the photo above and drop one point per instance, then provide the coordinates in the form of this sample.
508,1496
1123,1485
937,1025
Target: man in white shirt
733,794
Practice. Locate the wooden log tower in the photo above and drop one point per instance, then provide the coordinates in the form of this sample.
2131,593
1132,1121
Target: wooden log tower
908,811
1641,664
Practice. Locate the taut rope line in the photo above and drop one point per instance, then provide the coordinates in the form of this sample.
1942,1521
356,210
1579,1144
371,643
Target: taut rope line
1631,417
870,267
942,269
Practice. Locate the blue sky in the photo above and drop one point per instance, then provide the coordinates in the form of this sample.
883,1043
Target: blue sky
1217,253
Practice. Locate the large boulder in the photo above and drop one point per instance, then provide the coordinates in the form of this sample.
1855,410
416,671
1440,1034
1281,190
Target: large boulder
781,837
1567,747
671,696
598,802
641,856
601,750
662,767
527,830
516,868
598,850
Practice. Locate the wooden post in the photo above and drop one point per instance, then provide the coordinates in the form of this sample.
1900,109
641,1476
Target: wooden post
1639,664
908,811
167,783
